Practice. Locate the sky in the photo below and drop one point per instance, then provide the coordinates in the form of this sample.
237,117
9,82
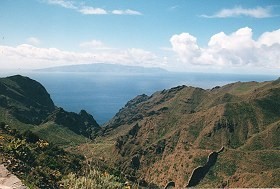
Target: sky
232,36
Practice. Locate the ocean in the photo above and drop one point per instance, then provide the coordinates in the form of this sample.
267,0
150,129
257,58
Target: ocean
103,94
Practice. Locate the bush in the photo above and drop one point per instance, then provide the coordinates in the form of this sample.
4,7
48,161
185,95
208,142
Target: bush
93,179
30,136
38,163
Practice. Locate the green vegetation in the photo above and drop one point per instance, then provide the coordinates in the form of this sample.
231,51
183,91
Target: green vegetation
200,161
243,88
271,160
59,135
228,167
38,162
270,105
92,179
239,116
41,164
6,117
196,128
146,140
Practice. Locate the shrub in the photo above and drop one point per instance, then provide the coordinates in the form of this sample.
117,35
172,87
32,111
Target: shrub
92,179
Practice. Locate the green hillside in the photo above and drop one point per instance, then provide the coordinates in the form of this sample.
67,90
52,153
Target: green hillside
35,136
26,105
165,136
227,136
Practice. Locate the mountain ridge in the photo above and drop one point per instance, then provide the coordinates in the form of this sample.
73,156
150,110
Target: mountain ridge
163,137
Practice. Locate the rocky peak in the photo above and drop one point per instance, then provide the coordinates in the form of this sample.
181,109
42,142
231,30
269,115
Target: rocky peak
138,99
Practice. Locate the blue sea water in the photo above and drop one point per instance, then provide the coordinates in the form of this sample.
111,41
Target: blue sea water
103,94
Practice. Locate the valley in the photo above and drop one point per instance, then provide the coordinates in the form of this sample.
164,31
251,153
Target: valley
163,137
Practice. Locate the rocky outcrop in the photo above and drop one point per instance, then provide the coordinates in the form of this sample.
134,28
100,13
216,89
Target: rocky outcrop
9,180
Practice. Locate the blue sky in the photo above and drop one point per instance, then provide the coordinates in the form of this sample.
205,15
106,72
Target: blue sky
180,35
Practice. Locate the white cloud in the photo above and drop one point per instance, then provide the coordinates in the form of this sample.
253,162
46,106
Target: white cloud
234,50
126,12
233,42
173,7
94,45
89,10
185,45
26,56
33,41
62,3
92,10
270,38
258,12
140,56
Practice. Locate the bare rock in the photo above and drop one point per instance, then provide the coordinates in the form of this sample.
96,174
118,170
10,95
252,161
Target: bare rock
9,180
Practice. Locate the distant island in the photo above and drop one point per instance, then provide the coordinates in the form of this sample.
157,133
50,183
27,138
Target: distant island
102,67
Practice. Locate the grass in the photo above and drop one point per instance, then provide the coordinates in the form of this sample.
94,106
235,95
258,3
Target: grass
59,135
14,123
241,115
92,179
270,106
200,161
228,167
267,139
255,168
243,88
195,129
95,150
270,159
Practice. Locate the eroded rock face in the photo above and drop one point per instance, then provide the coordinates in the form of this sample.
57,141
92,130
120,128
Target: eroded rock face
9,180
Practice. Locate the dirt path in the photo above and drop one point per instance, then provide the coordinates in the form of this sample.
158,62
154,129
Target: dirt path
9,180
